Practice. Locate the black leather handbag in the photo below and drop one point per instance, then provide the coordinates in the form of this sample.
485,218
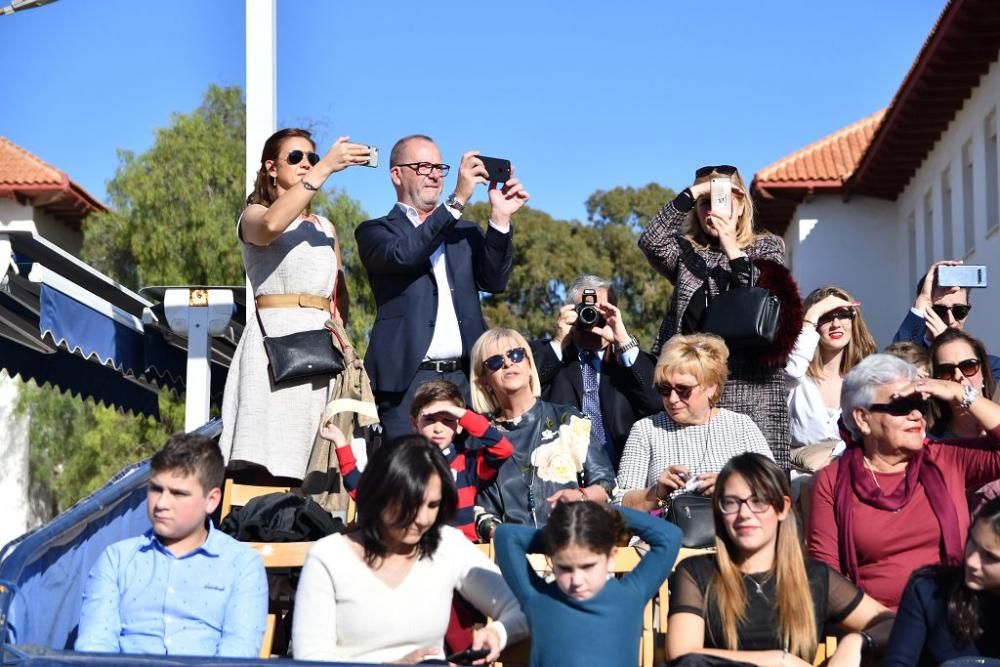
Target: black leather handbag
692,513
745,317
301,355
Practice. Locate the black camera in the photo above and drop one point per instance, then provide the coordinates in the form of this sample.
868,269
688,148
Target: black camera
587,314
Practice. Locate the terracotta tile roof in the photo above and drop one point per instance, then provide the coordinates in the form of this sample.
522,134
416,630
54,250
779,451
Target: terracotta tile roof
28,178
829,161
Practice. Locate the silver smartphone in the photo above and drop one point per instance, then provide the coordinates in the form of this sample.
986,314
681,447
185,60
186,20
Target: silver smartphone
722,196
373,158
962,275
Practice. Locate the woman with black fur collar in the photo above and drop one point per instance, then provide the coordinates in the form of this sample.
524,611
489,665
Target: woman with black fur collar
704,253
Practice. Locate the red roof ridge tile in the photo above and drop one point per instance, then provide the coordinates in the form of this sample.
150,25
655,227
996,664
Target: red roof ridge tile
831,159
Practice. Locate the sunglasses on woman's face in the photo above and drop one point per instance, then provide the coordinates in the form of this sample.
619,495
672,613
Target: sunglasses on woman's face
495,363
969,367
959,311
842,314
724,169
732,504
294,157
683,393
902,407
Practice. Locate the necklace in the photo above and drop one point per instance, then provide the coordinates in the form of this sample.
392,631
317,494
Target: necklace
759,588
872,471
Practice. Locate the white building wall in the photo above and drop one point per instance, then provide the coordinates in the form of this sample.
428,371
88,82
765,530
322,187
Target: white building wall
854,245
969,125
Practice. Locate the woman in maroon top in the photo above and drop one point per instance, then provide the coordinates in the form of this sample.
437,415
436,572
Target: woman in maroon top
896,501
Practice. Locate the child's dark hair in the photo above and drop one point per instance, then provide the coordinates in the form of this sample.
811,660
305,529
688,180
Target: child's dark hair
193,455
965,617
587,524
434,391
396,479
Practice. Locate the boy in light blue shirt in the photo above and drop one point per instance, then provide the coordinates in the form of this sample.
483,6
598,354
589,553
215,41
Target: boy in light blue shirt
183,587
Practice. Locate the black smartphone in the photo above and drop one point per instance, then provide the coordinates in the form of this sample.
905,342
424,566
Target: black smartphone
497,168
468,656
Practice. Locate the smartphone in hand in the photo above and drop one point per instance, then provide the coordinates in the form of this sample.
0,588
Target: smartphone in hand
468,656
962,275
722,196
372,157
498,169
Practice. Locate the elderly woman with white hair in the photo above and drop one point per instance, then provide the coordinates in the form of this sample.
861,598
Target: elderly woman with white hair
556,458
896,500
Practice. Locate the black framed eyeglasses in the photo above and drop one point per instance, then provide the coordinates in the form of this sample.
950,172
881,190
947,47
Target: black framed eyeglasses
959,311
732,504
969,367
495,363
724,169
901,407
294,157
838,314
683,392
425,168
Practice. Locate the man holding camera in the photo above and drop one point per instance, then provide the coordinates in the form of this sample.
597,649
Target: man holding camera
593,363
936,309
419,251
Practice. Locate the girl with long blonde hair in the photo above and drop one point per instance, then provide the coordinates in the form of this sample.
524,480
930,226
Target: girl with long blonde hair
833,340
758,599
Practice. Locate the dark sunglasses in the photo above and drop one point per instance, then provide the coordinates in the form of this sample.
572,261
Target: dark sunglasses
901,407
294,157
683,393
838,314
425,168
959,311
969,367
495,363
732,504
724,169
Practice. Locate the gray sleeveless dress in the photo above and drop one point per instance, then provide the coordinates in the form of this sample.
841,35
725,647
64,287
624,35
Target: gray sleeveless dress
264,424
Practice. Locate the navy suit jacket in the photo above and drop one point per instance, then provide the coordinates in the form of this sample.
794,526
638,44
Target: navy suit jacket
626,394
396,256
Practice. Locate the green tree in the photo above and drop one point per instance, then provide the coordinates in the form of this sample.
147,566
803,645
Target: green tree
172,220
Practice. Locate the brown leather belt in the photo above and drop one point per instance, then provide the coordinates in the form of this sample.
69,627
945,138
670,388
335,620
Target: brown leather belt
292,301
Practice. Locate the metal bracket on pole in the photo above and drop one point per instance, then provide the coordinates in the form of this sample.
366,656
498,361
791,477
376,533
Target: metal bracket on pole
198,313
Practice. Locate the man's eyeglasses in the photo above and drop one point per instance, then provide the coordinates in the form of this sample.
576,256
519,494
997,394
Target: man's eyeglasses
683,393
495,363
294,157
732,504
841,314
724,169
425,168
902,407
959,311
969,367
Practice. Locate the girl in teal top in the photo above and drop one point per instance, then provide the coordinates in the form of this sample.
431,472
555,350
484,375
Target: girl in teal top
583,617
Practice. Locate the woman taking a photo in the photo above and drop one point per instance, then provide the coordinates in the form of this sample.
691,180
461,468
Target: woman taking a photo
691,439
833,340
292,259
555,456
758,600
953,611
896,501
383,592
705,253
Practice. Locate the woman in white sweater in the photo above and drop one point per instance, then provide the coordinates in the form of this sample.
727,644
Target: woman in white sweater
383,592
833,340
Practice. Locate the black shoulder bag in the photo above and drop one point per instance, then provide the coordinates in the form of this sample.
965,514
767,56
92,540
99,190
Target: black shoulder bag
745,317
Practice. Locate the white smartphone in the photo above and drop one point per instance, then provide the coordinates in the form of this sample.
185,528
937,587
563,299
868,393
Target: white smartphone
722,196
963,275
373,157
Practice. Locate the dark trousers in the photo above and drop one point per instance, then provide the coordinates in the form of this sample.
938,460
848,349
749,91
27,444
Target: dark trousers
394,407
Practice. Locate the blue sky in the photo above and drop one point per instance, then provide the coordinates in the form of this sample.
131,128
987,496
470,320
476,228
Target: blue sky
580,96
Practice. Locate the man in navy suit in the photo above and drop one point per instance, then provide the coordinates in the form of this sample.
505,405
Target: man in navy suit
599,369
421,251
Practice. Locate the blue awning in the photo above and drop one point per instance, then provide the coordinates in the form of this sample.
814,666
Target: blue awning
65,324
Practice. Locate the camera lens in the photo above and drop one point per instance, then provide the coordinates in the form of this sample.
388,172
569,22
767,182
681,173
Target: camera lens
588,315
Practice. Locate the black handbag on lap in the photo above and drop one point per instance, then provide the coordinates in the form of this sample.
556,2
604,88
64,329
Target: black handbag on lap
745,317
301,355
692,513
